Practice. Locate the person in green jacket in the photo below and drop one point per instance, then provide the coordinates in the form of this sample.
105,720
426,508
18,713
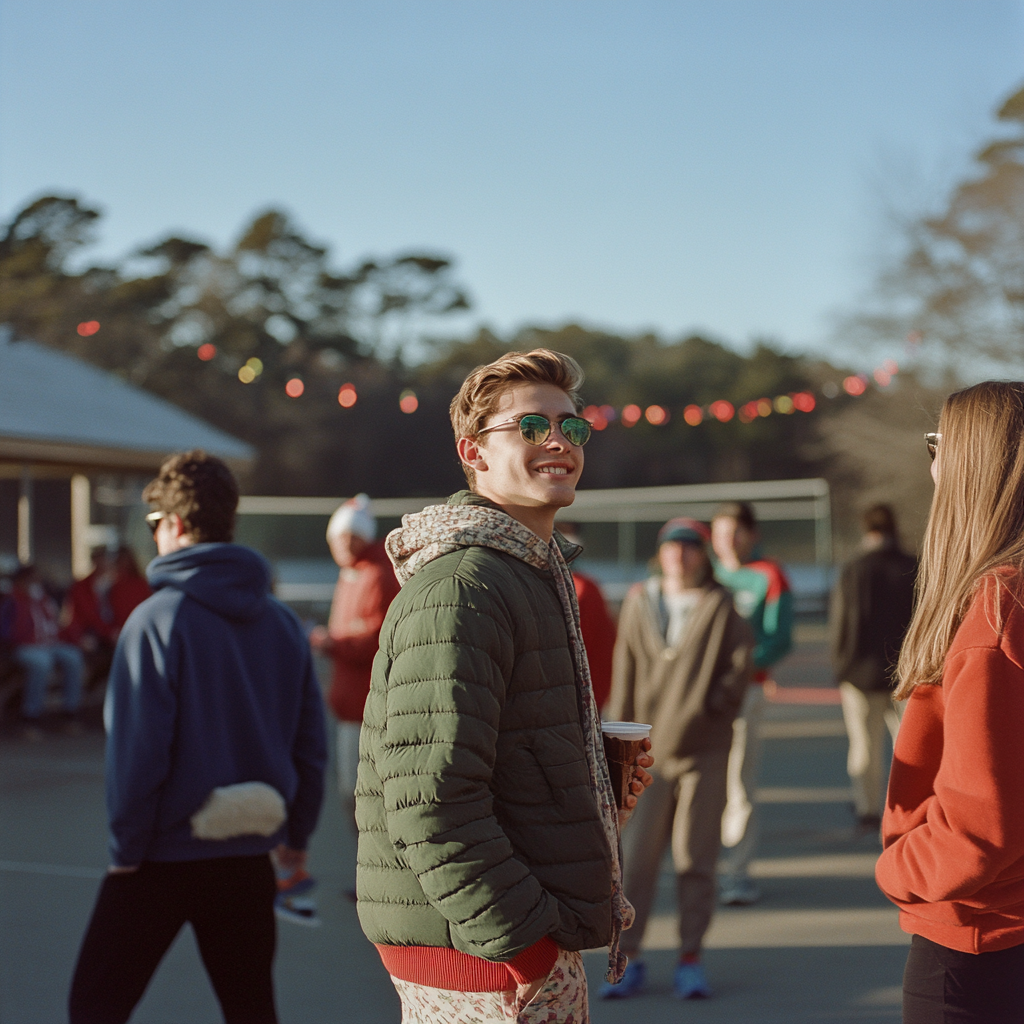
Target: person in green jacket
761,593
489,852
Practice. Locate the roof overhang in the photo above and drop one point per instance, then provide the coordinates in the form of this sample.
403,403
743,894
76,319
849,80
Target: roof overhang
84,458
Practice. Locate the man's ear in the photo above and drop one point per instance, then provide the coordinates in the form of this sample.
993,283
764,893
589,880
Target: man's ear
471,453
178,525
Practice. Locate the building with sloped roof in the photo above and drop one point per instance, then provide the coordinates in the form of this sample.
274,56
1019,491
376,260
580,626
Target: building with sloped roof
76,445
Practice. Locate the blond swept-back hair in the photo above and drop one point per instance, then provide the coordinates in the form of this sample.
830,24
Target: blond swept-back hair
481,391
976,524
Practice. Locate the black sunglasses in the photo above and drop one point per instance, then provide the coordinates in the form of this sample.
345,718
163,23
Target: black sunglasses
932,440
153,521
536,429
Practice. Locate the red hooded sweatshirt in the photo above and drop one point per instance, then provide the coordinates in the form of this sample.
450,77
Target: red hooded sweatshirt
361,600
953,830
598,629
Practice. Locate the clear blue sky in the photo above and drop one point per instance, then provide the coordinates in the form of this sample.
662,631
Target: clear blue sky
669,165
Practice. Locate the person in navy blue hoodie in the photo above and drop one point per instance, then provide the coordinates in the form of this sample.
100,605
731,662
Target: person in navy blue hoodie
216,748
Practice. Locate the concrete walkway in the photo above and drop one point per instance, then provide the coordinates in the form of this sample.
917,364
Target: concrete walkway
822,945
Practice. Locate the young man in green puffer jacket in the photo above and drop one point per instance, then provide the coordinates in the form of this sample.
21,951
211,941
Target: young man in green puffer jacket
488,847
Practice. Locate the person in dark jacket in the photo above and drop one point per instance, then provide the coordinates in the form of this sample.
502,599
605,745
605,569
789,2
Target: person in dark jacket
215,756
870,610
488,828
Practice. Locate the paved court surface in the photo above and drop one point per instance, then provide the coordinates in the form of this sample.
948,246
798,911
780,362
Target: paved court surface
822,945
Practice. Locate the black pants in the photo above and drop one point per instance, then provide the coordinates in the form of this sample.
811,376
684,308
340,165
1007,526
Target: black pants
229,902
945,986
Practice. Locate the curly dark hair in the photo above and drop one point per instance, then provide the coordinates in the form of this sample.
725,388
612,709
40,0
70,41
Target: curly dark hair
201,489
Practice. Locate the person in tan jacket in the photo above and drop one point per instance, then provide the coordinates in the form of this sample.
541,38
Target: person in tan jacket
682,663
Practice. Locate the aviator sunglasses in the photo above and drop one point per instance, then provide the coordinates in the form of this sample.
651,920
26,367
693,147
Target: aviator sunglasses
932,440
536,429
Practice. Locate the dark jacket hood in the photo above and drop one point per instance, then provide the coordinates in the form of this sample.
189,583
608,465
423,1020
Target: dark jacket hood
229,579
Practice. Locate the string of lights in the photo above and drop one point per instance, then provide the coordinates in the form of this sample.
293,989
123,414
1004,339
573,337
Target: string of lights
602,416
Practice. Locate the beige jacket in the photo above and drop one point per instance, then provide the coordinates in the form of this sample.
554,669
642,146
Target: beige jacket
690,693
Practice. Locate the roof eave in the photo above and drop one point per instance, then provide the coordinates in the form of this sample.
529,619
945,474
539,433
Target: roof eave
99,458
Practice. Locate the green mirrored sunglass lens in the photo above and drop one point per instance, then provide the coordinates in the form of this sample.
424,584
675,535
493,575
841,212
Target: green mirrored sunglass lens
534,429
576,430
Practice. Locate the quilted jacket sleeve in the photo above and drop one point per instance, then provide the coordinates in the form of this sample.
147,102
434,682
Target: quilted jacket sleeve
451,656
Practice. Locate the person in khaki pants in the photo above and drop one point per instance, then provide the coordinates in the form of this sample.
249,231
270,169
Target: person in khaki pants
683,661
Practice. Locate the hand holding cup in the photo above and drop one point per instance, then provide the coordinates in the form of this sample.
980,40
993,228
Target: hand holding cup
626,746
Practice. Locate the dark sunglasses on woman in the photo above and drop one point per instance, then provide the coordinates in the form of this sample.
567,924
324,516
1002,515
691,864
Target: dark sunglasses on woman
932,440
536,429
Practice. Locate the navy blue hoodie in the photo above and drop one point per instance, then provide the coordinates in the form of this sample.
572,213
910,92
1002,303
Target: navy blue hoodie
212,684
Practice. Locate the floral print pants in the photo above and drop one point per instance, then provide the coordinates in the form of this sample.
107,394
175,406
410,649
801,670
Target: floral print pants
562,999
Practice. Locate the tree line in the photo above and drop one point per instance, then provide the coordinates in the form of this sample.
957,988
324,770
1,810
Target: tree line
222,333
182,320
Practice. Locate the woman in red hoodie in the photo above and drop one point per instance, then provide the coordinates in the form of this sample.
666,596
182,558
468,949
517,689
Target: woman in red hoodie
953,830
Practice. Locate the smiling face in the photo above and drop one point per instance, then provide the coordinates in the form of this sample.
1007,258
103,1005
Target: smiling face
530,482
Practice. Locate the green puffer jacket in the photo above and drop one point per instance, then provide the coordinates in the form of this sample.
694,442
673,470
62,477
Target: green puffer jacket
478,830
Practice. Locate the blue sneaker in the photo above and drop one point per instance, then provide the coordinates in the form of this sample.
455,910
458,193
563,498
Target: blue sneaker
690,982
632,983
292,902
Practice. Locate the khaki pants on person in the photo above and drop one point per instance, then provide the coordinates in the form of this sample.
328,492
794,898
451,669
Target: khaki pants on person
740,822
867,715
686,814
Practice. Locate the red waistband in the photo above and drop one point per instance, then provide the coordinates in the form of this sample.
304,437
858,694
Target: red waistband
459,972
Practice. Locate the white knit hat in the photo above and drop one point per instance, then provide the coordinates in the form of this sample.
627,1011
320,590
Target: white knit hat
353,517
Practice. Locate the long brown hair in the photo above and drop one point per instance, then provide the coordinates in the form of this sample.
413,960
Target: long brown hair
976,523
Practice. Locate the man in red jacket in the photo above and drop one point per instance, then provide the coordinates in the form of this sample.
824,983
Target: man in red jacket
366,587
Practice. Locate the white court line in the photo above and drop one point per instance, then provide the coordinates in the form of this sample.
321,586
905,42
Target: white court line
61,870
774,929
804,795
823,865
812,729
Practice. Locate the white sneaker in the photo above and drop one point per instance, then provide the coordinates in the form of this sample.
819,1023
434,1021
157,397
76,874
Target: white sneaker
738,892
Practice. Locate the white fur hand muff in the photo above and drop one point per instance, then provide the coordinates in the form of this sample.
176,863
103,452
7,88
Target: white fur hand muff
245,809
